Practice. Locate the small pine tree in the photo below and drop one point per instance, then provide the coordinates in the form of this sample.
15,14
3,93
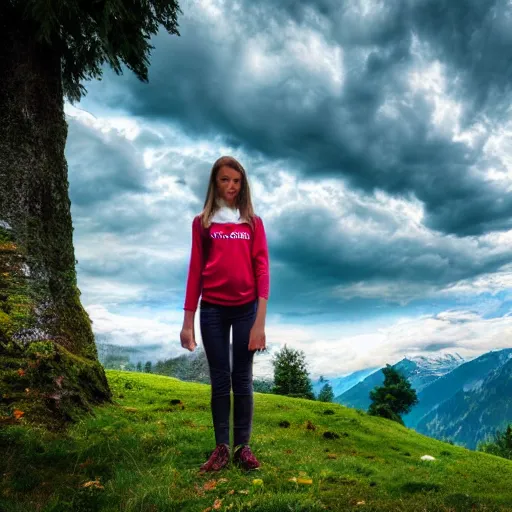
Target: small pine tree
394,397
139,366
326,393
290,374
147,367
500,445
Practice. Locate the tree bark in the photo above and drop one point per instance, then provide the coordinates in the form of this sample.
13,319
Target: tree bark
49,368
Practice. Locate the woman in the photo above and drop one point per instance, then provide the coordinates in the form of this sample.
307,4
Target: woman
229,269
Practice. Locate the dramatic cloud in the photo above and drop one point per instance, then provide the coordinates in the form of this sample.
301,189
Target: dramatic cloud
377,138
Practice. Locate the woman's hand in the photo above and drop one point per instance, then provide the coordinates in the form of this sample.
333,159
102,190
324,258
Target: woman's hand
257,339
187,339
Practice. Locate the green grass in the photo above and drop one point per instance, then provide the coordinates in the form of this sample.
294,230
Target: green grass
143,454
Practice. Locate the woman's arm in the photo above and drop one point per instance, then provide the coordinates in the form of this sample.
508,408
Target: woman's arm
257,340
260,260
194,279
261,313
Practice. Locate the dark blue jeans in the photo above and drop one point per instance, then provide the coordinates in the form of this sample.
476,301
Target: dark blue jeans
215,322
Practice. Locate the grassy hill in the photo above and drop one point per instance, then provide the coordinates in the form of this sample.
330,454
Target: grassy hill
143,454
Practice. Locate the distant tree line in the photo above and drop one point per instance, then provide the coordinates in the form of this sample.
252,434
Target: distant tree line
187,367
499,444
291,378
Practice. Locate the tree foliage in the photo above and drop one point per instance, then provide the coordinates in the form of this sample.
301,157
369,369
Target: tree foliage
394,398
291,375
88,34
263,385
187,367
326,393
500,445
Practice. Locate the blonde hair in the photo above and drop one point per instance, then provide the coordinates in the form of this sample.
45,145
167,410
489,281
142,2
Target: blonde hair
243,199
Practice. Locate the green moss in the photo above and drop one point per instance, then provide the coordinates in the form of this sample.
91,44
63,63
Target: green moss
41,349
46,341
17,299
51,381
6,326
50,385
5,236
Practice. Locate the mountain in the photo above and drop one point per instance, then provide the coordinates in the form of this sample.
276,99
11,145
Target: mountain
341,384
114,355
463,378
118,357
429,369
419,370
475,411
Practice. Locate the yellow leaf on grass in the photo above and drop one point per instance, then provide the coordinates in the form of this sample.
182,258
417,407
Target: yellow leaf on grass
93,483
293,479
360,503
232,491
244,491
304,481
210,485
257,481
222,480
199,490
217,504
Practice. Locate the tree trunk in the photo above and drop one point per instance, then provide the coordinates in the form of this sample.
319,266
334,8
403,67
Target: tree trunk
49,368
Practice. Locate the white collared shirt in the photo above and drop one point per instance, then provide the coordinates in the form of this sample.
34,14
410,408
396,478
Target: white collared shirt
226,213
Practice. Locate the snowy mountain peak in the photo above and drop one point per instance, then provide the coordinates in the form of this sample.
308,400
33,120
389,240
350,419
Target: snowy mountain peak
440,360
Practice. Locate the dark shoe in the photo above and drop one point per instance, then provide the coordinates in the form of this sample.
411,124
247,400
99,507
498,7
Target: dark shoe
244,458
218,459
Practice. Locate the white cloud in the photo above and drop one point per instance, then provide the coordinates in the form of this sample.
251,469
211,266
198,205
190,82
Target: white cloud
338,349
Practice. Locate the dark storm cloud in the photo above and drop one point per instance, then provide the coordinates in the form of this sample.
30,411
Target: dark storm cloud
197,80
475,39
125,215
126,230
103,165
160,277
148,139
435,347
318,252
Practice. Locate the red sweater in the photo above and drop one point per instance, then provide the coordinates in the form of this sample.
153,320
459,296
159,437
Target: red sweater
236,269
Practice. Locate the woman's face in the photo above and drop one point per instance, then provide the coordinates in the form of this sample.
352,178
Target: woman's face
229,183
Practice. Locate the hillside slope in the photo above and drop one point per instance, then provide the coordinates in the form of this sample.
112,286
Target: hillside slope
470,416
464,377
143,452
342,384
420,371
